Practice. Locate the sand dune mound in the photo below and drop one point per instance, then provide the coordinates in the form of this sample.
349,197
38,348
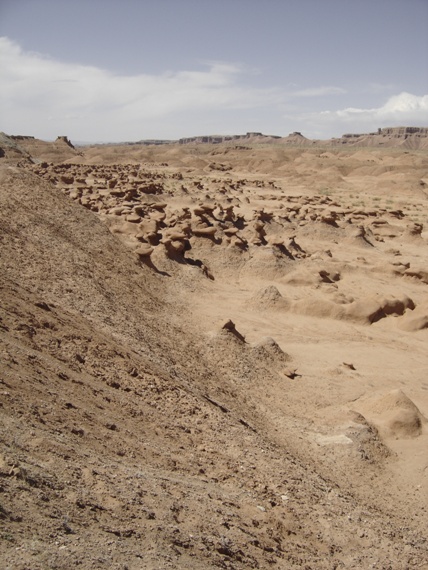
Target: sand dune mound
372,309
395,415
269,298
415,320
269,349
353,438
366,436
368,310
302,276
266,262
318,306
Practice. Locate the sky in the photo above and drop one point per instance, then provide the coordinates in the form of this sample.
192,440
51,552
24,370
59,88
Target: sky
127,70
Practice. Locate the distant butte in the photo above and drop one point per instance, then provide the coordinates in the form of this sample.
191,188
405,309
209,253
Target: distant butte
411,137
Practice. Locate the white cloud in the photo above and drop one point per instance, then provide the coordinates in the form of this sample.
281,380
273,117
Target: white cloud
404,109
44,96
404,106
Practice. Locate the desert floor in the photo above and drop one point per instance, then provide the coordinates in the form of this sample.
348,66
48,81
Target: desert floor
213,356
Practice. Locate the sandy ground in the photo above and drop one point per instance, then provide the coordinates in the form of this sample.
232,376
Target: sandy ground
214,356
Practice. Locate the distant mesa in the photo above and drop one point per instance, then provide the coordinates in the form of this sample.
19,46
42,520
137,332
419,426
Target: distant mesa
154,141
408,137
217,139
400,131
391,131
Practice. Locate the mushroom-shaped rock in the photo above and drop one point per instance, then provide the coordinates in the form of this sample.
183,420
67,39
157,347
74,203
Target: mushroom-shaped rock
148,225
173,247
292,244
67,179
116,211
131,194
414,230
231,231
176,245
140,210
133,218
198,211
238,242
158,205
175,234
329,276
151,188
275,240
204,231
329,217
144,250
184,226
227,213
158,216
152,237
185,214
118,192
265,216
208,209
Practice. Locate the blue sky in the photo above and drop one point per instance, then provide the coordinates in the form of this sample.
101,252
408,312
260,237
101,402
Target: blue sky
116,70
